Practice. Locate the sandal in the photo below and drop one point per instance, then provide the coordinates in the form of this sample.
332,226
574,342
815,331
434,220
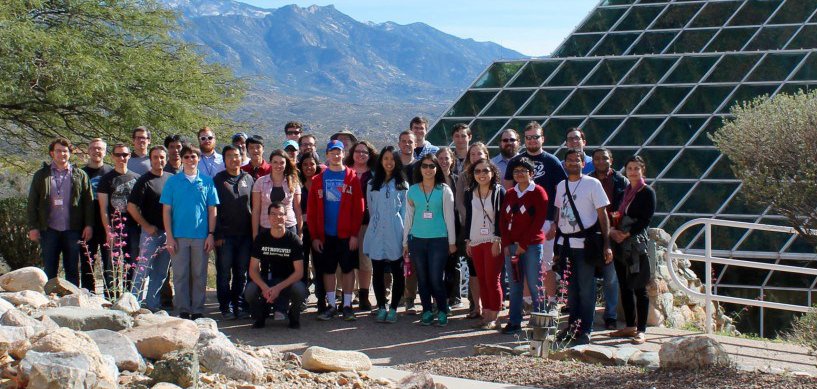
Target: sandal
628,332
639,338
474,315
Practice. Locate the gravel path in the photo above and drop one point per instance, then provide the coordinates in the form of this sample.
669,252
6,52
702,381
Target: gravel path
544,373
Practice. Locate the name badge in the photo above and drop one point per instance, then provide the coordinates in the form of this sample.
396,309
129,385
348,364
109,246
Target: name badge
484,231
58,202
428,215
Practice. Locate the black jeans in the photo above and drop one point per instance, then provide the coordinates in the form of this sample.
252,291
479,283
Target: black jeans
634,302
379,267
293,296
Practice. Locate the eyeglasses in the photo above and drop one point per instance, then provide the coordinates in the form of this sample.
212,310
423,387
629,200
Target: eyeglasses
532,137
509,140
204,138
520,171
428,166
482,171
190,156
574,138
121,155
141,137
362,152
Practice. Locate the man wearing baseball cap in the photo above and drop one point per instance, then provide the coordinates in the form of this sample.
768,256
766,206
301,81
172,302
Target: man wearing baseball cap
345,136
335,214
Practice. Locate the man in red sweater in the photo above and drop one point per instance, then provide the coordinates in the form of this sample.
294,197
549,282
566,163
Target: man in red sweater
335,205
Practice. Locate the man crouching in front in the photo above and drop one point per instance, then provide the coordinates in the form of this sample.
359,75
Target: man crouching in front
276,269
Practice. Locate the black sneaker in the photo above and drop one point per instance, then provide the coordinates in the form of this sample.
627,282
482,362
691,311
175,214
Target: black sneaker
294,316
349,314
328,314
227,315
184,315
365,306
511,329
610,324
259,323
579,340
196,316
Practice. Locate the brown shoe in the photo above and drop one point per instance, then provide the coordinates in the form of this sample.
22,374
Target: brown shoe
627,332
639,338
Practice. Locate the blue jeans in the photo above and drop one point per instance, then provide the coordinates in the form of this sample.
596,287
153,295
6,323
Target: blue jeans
531,265
153,263
610,288
581,291
54,243
232,262
428,257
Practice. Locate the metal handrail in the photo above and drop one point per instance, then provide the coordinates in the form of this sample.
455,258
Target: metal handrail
709,259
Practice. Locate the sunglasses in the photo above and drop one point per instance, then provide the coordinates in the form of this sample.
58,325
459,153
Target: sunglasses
428,166
204,138
121,155
482,171
190,156
510,140
293,132
532,137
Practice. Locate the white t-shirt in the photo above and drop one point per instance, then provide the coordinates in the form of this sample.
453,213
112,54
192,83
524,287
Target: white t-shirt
589,196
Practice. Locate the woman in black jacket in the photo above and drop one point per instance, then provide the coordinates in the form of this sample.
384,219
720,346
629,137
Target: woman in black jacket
632,263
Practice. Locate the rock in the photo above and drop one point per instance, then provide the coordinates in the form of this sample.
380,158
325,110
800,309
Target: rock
219,355
81,319
290,357
28,278
416,381
206,323
16,318
655,318
323,359
5,306
595,353
60,287
623,355
695,352
155,340
165,385
676,319
648,359
120,347
657,287
81,300
148,319
25,297
180,367
14,340
64,370
127,303
665,303
492,349
64,340
567,354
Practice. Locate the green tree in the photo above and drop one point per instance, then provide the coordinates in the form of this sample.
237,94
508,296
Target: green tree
772,146
88,68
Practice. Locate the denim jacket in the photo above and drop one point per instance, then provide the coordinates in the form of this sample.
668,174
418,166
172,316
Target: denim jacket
387,212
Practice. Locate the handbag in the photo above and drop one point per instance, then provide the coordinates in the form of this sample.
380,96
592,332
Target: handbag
593,240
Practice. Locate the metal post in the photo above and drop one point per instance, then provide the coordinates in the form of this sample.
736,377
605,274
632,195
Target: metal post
708,276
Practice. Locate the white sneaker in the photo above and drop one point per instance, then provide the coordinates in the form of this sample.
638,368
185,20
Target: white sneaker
279,316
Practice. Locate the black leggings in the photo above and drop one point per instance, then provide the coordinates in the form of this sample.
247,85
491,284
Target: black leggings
379,267
634,302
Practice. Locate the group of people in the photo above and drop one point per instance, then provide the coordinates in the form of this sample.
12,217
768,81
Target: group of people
398,221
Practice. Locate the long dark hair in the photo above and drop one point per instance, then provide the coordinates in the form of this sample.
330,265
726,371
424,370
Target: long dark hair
290,171
397,174
350,157
439,177
472,181
301,158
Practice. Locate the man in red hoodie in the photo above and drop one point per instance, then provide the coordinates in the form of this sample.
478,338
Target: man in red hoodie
335,207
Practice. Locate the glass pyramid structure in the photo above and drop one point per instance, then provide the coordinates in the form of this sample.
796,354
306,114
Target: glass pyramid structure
655,78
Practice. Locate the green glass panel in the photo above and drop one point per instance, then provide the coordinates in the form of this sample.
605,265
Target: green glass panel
668,194
732,68
706,99
677,131
805,39
776,67
714,124
508,102
596,131
690,41
484,129
730,39
635,131
601,19
516,124
676,16
534,74
692,163
622,155
639,18
652,42
583,102
615,44
746,93
545,102
656,160
715,13
792,280
690,70
708,197
754,13
498,75
577,45
572,72
794,11
471,103
623,101
440,134
650,70
721,171
724,238
764,240
555,130
610,72
663,100
741,206
771,38
809,69
801,245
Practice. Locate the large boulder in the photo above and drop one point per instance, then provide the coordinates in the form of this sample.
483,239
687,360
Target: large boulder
321,359
82,300
65,370
696,352
120,347
155,340
14,340
219,355
25,297
16,318
89,319
64,340
148,319
27,278
179,367
127,303
60,287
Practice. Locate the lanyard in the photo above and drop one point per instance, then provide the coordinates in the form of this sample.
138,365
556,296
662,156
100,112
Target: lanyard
482,203
59,180
428,197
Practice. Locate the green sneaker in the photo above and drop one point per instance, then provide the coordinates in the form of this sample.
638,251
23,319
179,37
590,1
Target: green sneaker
442,319
428,318
391,317
381,316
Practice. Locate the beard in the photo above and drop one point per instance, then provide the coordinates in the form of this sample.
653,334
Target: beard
508,151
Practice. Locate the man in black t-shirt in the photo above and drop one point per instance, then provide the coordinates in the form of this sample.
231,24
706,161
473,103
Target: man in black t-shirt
96,168
276,269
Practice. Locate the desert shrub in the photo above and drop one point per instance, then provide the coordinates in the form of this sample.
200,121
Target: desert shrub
15,247
804,330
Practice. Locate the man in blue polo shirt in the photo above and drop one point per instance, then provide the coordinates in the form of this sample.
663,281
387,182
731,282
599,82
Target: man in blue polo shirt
189,215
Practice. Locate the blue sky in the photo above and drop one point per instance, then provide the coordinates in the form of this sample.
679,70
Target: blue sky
532,27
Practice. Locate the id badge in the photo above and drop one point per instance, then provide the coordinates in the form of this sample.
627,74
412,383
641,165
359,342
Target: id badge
428,215
484,231
58,202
